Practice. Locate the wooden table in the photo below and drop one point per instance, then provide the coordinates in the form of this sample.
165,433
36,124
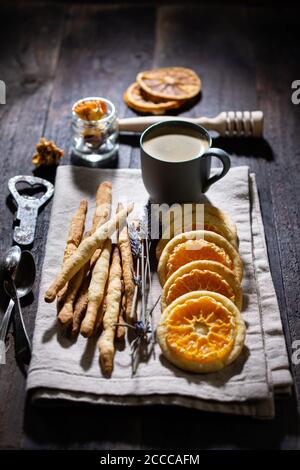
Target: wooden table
52,55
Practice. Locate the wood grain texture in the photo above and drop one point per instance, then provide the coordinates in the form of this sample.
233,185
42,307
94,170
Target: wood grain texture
51,55
101,53
29,54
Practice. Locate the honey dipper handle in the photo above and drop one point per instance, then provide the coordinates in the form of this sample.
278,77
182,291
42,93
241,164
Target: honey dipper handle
218,123
232,123
257,123
139,124
235,123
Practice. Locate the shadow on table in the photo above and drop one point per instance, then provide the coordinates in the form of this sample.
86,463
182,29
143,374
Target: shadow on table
156,427
246,147
111,162
130,139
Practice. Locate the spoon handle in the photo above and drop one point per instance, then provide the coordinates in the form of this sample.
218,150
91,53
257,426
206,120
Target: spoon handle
22,344
3,331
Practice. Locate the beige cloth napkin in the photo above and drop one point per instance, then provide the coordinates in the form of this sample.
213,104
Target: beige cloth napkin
66,369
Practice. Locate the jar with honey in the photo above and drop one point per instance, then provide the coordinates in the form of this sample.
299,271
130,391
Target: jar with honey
94,131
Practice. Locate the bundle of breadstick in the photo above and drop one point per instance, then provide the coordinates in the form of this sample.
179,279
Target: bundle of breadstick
95,285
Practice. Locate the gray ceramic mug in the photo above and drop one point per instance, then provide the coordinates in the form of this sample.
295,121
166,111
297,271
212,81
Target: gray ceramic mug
180,180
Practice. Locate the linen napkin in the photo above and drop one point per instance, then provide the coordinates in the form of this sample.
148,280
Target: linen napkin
62,368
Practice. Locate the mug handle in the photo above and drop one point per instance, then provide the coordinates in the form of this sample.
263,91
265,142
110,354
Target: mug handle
225,159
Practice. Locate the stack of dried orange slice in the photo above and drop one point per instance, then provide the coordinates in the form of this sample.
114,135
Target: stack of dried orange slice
160,90
201,328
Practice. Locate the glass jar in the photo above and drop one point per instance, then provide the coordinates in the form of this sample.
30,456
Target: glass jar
94,142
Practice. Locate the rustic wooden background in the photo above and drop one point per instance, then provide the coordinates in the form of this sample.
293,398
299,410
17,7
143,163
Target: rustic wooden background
53,54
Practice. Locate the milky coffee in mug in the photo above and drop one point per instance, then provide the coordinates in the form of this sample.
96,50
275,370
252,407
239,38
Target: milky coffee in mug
176,161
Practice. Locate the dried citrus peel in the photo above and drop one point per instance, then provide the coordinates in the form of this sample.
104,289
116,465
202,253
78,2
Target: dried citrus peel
90,110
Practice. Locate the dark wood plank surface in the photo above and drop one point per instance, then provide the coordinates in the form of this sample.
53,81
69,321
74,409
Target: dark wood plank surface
53,54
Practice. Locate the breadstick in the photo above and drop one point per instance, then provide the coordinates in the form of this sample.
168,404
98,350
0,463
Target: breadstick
113,301
65,315
127,268
61,297
96,290
101,215
120,331
81,301
74,238
76,230
102,212
101,312
94,258
103,205
85,251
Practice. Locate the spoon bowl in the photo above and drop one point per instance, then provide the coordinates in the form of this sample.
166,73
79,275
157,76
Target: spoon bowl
10,261
23,273
19,271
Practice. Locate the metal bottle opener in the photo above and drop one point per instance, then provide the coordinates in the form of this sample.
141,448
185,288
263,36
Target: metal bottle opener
28,207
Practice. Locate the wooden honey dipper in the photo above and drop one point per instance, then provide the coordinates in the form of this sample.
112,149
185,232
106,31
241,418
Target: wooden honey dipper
227,123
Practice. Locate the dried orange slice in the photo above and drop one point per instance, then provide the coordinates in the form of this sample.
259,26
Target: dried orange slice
171,83
222,216
183,219
201,332
198,245
211,223
136,99
202,275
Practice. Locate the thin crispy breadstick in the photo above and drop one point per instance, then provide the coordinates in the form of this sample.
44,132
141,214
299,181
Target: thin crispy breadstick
102,212
127,268
120,331
113,301
65,315
103,205
74,238
85,251
95,257
76,230
96,290
101,215
101,312
74,292
61,297
81,301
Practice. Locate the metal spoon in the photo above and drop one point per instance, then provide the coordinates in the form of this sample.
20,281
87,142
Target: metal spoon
10,260
25,270
19,274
